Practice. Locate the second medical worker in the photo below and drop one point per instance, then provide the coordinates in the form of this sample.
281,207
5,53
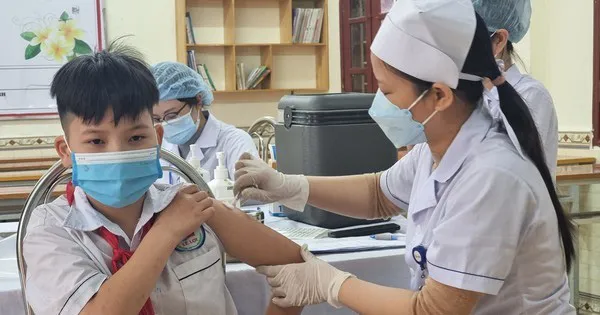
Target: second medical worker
508,22
183,112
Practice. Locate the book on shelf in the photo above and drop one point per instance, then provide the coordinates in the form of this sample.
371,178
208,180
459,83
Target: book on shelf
253,80
189,29
201,68
191,59
206,73
307,25
257,76
241,76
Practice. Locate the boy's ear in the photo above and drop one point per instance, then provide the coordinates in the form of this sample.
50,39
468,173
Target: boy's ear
159,133
64,153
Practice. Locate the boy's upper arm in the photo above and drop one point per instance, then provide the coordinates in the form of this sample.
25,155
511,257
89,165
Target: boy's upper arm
61,278
251,241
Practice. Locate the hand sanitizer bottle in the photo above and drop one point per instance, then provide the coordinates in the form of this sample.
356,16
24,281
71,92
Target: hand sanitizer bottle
195,162
221,185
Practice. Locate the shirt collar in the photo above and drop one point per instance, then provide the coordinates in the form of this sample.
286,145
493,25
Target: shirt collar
513,75
210,133
473,131
83,217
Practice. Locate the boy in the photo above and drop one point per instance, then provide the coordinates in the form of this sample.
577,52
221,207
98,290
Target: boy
118,243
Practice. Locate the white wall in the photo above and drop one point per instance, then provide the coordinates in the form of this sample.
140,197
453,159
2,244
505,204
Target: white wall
561,51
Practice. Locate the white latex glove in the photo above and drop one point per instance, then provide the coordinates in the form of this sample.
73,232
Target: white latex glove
311,282
255,180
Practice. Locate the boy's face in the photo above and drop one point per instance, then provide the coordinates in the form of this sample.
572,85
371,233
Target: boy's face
128,135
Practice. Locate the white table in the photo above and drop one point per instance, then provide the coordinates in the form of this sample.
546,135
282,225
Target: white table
249,289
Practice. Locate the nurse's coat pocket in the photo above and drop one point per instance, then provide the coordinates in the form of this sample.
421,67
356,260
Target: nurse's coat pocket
203,283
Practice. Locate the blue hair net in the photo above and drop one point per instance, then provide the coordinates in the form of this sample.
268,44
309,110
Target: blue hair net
176,80
511,15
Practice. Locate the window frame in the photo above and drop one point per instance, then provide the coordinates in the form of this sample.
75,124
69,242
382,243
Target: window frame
372,20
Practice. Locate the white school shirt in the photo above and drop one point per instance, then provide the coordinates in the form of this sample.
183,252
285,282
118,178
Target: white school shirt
540,105
486,219
67,261
216,136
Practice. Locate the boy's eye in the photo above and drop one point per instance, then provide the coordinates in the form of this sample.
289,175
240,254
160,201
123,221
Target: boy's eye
96,141
137,138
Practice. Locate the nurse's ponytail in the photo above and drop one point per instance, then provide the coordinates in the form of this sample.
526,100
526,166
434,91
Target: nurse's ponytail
481,61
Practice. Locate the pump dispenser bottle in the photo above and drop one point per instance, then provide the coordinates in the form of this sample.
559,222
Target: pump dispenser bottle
221,185
194,160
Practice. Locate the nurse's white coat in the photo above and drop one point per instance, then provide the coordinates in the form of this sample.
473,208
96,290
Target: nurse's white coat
486,219
540,105
216,136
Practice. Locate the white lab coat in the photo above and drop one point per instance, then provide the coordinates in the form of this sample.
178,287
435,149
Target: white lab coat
67,261
540,105
486,219
216,136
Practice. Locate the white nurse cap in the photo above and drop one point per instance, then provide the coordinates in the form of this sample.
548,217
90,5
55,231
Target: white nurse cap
428,39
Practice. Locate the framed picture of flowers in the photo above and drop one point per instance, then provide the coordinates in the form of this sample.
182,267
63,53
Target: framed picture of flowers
37,38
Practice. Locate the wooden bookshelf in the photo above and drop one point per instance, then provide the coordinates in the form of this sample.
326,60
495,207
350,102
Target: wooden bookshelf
255,32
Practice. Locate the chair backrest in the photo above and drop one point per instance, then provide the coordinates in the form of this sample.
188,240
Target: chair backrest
261,129
42,192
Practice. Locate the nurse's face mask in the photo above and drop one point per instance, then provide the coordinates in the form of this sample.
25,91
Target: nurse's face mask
181,129
397,123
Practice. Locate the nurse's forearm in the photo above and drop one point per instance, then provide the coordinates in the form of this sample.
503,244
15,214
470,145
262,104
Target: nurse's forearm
251,241
356,196
434,298
371,299
128,289
273,309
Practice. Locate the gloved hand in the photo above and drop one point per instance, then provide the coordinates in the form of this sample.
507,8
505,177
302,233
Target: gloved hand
311,282
255,180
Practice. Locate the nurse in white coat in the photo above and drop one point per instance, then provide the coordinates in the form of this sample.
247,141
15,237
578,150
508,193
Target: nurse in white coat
183,112
508,22
486,231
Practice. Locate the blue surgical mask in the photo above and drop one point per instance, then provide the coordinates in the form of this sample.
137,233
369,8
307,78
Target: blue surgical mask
398,124
116,179
181,129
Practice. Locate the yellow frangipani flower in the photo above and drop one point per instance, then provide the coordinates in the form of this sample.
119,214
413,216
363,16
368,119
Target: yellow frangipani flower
70,30
58,48
42,35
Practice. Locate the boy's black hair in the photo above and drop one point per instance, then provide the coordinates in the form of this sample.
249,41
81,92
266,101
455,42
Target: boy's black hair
116,78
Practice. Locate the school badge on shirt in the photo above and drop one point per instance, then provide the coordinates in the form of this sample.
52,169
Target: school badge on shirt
193,241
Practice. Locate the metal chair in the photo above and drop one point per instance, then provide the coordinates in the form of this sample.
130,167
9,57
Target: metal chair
263,128
42,193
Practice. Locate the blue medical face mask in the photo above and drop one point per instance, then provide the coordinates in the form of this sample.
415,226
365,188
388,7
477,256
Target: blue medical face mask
181,129
116,179
398,124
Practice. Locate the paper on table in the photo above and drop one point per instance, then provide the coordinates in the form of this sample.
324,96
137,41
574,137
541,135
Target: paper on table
350,244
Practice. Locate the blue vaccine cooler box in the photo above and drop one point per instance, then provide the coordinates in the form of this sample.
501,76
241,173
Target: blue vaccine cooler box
329,135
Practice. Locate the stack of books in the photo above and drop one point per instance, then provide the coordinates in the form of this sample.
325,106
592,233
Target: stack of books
256,77
307,25
201,68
